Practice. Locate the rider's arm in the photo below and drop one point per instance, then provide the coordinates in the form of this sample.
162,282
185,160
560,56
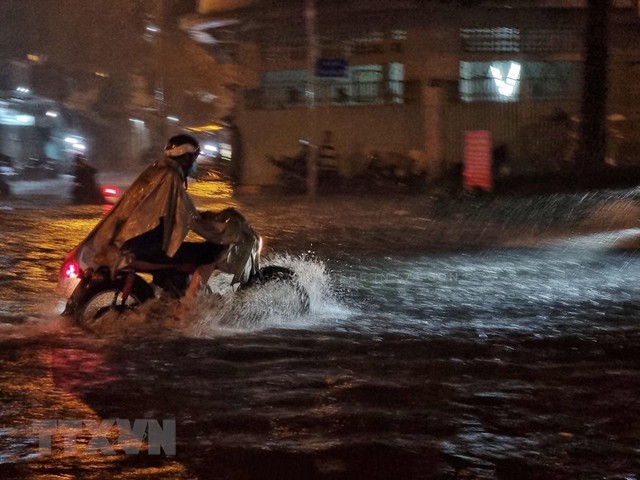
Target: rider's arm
216,232
207,230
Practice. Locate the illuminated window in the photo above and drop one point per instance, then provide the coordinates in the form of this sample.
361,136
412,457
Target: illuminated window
511,81
506,84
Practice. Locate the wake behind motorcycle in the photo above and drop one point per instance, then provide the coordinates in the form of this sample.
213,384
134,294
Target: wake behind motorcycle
92,293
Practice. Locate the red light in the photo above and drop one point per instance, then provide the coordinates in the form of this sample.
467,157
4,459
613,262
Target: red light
110,191
71,270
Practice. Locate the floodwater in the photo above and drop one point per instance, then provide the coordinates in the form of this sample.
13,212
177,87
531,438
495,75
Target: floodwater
433,349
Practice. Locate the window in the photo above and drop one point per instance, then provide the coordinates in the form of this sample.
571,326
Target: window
367,44
507,39
398,35
285,87
363,85
500,39
511,81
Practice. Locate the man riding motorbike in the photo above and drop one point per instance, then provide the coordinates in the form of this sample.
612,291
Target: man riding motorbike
85,189
146,229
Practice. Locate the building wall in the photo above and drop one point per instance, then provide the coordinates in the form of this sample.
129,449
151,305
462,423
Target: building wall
435,122
536,135
356,133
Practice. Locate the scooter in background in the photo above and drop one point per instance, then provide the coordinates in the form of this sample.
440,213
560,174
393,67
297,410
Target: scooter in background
85,188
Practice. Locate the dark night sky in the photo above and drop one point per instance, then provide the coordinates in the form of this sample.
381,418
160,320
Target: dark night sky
96,34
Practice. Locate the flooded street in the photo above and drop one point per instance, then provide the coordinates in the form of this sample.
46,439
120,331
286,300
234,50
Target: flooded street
438,346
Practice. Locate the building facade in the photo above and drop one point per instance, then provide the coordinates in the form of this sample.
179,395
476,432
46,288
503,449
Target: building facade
405,79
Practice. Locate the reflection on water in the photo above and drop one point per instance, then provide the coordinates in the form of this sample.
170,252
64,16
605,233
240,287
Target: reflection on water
333,404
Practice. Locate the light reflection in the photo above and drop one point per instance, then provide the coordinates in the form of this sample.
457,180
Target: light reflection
211,195
45,384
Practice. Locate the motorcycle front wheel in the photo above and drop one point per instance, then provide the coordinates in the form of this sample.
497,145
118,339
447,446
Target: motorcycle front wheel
106,296
277,274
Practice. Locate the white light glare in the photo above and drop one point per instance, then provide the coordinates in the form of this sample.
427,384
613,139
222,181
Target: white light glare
76,143
137,121
506,86
210,147
24,119
23,90
51,114
171,118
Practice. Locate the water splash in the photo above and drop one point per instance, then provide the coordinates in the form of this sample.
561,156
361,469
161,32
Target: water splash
276,304
616,214
224,310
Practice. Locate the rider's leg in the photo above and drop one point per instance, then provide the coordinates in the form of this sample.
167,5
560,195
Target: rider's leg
204,254
198,280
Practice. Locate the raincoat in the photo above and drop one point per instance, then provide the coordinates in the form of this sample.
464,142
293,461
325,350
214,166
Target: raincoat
157,194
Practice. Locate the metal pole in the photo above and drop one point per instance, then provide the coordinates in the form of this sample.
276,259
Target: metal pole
312,54
159,87
591,157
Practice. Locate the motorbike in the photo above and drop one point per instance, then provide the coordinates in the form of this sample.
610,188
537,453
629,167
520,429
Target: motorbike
93,292
387,176
292,172
5,189
6,171
85,188
292,175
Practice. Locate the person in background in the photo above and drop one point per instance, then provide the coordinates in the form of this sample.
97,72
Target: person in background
237,158
6,169
328,174
85,189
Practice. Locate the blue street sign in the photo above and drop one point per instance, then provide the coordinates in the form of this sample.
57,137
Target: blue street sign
331,67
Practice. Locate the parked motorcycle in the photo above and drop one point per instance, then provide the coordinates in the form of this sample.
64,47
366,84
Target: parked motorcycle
292,175
292,172
92,293
388,176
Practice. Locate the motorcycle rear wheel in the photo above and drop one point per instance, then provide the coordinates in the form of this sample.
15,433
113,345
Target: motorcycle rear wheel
106,296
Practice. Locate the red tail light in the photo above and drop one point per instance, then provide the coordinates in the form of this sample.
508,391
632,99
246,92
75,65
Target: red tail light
70,274
110,191
71,269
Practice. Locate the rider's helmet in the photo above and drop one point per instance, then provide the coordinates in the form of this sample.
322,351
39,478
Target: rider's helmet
183,148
